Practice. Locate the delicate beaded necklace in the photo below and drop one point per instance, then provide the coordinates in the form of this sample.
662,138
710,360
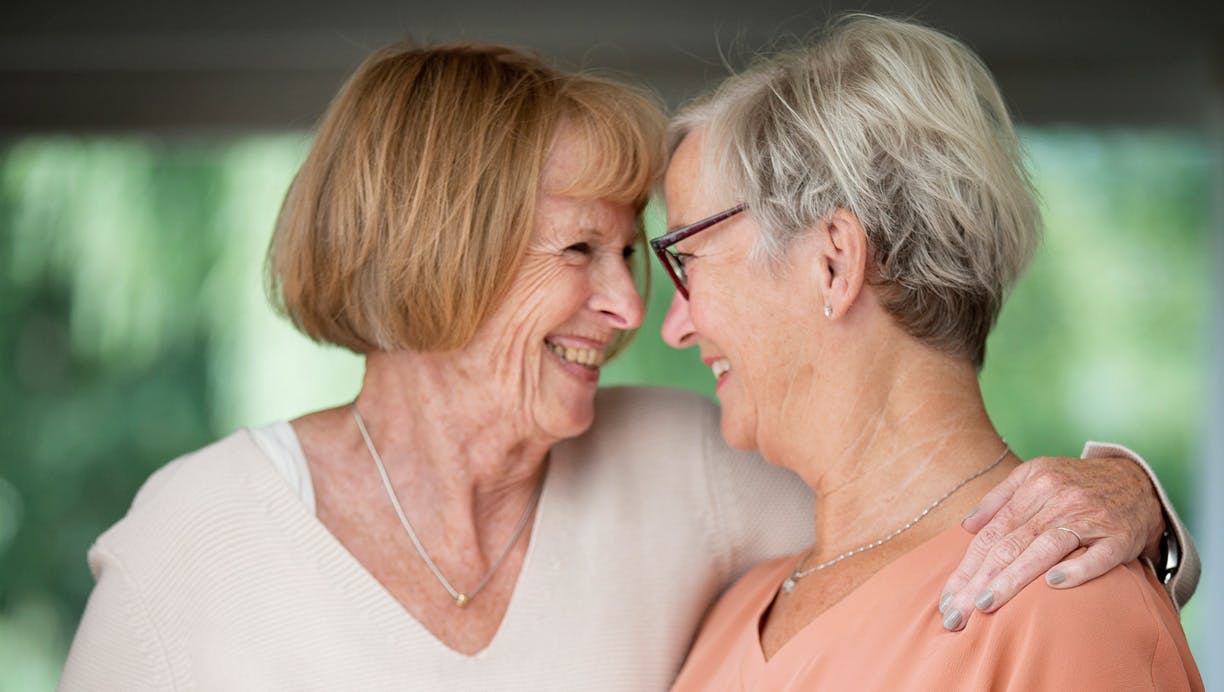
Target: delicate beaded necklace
793,578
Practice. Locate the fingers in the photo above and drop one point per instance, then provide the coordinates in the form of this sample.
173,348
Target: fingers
1017,536
1018,518
1100,557
967,571
1010,562
1045,550
992,523
996,499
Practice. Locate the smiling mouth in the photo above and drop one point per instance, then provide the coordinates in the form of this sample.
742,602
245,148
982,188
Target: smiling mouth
587,357
720,367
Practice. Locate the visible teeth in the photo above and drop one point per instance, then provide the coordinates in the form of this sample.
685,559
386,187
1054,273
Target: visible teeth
720,367
590,357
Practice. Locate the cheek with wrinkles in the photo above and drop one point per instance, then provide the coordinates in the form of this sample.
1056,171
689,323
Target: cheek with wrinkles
539,298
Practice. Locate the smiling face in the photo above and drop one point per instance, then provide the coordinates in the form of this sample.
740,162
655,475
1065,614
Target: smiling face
747,320
572,295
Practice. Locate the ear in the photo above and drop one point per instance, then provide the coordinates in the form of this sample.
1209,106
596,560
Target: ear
842,261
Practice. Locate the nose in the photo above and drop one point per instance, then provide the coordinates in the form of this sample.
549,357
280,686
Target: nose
678,330
616,297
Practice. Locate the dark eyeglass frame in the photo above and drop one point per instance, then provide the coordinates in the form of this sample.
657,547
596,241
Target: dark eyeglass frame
671,260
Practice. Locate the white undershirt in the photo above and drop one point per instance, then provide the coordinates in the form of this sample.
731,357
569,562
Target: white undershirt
280,443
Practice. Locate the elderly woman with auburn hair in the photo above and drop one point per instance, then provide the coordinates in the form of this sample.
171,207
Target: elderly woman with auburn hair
878,210
480,517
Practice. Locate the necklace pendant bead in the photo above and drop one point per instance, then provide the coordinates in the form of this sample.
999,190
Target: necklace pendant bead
789,584
461,599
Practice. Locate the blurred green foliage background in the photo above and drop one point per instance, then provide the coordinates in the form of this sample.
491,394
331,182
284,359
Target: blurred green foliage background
134,328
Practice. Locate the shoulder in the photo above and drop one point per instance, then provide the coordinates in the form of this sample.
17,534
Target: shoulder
190,492
1127,595
1124,594
224,463
1120,626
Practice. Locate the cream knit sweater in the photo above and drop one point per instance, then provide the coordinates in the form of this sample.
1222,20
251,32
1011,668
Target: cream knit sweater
219,578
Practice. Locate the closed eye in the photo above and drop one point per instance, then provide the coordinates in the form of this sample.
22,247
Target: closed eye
627,253
580,248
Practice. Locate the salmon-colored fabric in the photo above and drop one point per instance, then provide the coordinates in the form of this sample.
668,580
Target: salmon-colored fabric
1118,632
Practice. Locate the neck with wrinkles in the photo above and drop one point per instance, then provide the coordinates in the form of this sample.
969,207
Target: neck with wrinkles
911,426
450,446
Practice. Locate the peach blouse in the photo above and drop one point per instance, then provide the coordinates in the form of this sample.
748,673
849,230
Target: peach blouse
1118,632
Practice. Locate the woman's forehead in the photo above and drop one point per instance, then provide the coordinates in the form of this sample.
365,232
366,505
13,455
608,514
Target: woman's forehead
592,218
687,188
567,161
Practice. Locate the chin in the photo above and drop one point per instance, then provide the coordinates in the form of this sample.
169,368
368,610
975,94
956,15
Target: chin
571,421
736,434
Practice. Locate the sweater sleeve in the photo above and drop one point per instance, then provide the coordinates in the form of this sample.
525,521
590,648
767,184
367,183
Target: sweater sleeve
1184,579
116,646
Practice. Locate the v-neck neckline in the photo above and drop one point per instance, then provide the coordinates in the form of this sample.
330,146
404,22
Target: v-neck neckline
871,583
374,597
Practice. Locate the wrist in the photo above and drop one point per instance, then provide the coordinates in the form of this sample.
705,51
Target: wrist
1168,557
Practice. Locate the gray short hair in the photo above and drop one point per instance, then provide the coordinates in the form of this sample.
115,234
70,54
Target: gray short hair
903,126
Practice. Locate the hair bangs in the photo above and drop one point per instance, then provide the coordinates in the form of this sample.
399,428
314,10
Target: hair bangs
621,130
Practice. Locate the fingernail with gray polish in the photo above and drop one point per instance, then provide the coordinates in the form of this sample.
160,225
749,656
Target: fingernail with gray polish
984,600
943,602
952,619
1056,578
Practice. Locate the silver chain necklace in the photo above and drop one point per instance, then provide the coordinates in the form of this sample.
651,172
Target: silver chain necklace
792,580
461,599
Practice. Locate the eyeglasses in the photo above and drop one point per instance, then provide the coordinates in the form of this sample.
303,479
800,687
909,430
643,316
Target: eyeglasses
673,261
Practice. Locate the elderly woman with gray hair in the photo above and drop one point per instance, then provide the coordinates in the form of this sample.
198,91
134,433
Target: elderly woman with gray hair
871,210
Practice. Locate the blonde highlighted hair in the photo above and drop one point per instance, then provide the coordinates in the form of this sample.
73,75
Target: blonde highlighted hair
407,222
903,126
